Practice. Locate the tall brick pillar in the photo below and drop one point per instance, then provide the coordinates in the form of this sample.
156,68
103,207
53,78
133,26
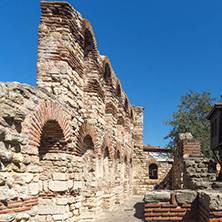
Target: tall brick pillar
186,147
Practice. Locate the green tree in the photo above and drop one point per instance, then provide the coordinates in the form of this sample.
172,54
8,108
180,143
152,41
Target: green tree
191,117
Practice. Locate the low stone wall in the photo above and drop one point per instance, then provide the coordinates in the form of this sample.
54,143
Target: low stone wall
171,206
196,175
210,206
183,205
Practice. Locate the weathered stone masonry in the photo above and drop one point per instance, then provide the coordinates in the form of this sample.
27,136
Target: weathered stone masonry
68,146
196,195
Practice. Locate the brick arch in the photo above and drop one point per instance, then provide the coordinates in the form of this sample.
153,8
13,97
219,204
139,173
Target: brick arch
88,26
153,161
106,63
158,166
90,44
47,110
106,143
85,130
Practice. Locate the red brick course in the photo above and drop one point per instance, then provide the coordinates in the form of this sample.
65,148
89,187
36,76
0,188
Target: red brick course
171,212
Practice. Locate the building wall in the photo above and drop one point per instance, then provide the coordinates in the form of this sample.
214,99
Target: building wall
143,181
68,146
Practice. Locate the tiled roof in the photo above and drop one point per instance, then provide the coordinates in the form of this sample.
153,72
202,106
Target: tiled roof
154,148
216,105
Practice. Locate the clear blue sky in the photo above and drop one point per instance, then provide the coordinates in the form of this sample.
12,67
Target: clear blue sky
160,49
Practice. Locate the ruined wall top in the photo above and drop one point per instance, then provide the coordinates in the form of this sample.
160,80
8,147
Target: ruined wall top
68,59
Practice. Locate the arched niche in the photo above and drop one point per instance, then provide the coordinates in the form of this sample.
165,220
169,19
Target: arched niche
87,135
106,158
87,145
118,90
52,139
153,171
126,105
131,114
117,167
88,174
107,73
53,159
88,163
89,45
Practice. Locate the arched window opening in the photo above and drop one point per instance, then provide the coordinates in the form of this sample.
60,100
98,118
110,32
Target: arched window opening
107,73
118,91
52,139
87,144
153,171
89,43
126,105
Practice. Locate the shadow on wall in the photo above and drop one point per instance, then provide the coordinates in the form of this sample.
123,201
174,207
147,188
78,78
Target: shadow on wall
166,183
139,211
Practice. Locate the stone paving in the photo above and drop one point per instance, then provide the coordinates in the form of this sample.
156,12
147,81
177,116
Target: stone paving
129,211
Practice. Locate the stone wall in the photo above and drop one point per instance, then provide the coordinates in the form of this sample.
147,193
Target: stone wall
68,146
190,168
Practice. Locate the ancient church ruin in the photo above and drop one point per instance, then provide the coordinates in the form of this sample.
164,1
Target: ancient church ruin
68,145
73,146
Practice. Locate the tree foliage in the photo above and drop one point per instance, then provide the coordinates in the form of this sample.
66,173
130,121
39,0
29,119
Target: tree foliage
191,117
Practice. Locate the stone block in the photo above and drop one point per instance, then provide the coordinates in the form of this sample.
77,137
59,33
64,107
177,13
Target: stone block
60,176
34,169
22,178
22,217
34,188
61,201
211,200
7,194
33,212
185,196
13,138
60,217
19,116
157,196
45,201
5,156
58,186
24,193
9,180
7,217
77,185
17,158
51,210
